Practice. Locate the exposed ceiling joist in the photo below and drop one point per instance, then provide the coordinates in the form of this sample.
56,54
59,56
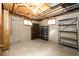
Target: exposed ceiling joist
48,11
13,7
59,11
29,10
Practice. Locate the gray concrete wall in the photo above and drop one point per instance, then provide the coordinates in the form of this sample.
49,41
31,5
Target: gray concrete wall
53,29
20,32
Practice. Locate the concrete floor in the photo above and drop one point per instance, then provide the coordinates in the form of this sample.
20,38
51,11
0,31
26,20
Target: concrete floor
39,48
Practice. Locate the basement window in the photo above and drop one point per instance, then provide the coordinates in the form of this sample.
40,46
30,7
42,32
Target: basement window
51,21
27,22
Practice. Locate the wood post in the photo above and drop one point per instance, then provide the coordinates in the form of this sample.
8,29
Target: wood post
6,30
1,29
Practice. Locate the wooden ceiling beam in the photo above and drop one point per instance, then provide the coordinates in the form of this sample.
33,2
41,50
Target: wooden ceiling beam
17,13
13,7
25,16
48,10
13,11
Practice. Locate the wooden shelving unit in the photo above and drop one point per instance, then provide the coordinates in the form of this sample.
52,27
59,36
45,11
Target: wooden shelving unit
65,40
35,31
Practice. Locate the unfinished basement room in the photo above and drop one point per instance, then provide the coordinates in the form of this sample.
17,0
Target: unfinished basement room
39,29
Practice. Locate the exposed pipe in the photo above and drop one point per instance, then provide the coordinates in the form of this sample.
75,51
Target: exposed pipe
60,10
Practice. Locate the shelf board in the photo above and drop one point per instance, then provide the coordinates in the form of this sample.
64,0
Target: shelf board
45,34
68,31
69,45
66,24
68,38
1,46
69,19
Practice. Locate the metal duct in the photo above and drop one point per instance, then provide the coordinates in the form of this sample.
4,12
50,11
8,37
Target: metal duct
55,13
67,4
63,10
49,12
72,7
60,11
